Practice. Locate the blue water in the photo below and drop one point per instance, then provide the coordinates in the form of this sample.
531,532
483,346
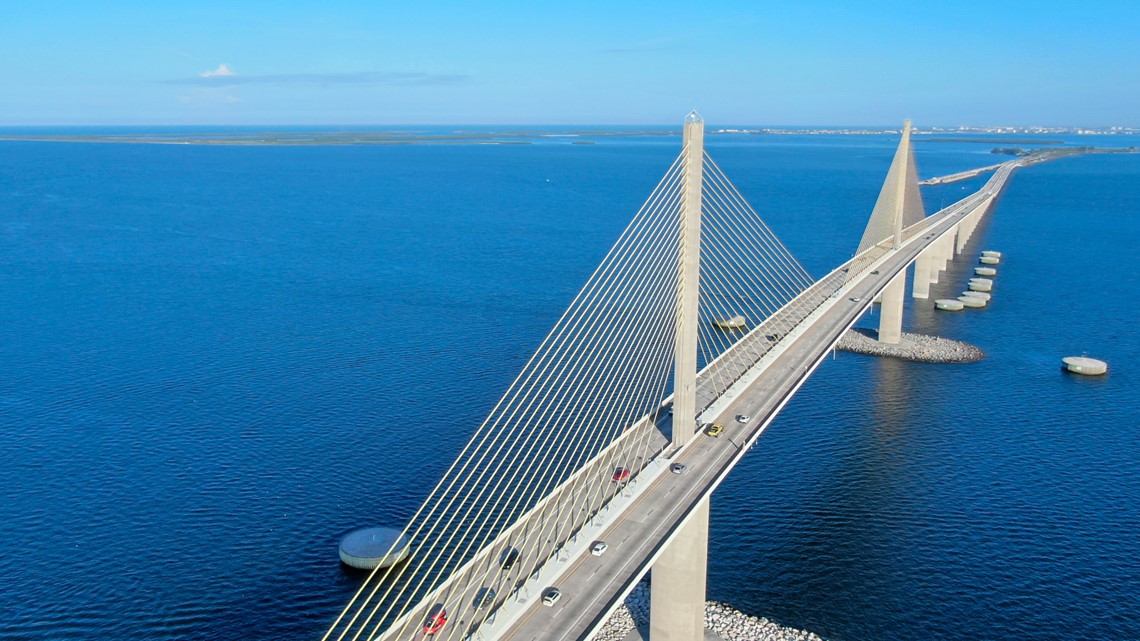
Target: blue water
215,361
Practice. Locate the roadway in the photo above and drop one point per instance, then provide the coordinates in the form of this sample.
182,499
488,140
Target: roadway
593,586
961,175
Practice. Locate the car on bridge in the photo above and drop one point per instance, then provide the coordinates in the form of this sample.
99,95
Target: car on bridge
678,468
551,596
743,418
599,548
510,556
714,429
621,474
435,620
485,597
855,299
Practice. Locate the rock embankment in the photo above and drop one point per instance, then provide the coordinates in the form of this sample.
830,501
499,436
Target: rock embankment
912,347
721,619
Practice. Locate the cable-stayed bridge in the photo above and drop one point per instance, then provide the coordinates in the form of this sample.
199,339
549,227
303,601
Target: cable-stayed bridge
698,316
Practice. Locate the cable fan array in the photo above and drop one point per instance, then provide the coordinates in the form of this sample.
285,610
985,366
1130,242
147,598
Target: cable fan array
898,207
545,459
747,276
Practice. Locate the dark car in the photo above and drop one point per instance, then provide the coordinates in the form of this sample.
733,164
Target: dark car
509,559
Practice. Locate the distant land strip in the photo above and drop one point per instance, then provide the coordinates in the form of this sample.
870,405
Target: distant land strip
991,141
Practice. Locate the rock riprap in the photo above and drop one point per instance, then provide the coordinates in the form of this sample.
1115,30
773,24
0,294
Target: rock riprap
725,621
911,347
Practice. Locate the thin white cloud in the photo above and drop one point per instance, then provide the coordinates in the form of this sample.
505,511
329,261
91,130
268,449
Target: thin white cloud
223,76
222,71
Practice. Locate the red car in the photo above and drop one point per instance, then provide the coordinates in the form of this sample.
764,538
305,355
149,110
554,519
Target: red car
435,622
620,474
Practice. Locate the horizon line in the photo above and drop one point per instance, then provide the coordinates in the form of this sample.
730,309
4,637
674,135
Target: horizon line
886,127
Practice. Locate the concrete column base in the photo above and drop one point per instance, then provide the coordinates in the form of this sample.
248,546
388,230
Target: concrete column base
641,633
677,592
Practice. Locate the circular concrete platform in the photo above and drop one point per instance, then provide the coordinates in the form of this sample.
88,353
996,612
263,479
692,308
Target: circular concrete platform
1085,365
989,260
980,287
736,322
972,301
372,547
991,253
949,304
981,295
985,271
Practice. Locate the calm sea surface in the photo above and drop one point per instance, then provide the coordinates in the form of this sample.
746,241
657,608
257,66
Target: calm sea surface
216,361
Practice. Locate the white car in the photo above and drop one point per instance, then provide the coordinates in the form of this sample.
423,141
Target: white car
599,548
677,468
743,418
855,299
551,596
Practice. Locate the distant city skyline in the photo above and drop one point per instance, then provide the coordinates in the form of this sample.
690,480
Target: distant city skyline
589,63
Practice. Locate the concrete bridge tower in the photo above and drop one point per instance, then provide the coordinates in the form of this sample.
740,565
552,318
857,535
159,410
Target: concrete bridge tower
688,283
677,599
899,206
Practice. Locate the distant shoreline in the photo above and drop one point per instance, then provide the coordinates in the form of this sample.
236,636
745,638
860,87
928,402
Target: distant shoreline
991,141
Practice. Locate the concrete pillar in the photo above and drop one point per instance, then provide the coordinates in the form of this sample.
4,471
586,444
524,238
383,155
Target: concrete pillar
945,253
891,312
926,270
677,593
688,284
963,227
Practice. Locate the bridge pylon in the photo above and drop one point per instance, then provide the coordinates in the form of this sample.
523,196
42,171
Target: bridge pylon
899,206
688,282
677,595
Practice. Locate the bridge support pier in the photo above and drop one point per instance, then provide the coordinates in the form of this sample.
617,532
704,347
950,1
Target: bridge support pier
963,234
938,258
926,271
891,312
945,252
677,593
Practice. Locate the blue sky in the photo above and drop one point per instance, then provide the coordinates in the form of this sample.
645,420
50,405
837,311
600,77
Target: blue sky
759,63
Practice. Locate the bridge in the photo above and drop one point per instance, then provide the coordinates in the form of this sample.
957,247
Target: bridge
959,176
697,317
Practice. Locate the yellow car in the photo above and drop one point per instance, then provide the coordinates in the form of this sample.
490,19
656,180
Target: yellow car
714,429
